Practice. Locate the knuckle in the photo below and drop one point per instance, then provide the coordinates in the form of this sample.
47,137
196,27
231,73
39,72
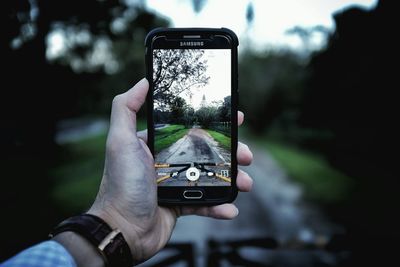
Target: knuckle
118,99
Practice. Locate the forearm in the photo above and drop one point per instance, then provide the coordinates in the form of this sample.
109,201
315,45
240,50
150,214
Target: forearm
84,253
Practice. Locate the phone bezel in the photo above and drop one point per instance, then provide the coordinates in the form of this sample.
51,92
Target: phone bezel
170,38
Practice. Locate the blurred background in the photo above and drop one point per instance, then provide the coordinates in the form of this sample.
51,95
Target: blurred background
317,84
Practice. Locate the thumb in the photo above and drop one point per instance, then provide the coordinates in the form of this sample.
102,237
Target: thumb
137,95
125,106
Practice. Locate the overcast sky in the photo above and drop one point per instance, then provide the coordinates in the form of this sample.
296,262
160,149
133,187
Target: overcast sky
272,18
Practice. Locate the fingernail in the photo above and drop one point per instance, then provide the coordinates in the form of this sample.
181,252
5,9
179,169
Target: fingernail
236,212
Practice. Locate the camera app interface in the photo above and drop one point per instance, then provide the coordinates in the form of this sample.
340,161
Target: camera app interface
192,116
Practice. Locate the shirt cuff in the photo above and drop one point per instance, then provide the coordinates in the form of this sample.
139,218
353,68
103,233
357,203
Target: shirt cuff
48,253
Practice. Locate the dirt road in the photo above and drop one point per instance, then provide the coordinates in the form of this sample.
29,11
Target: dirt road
196,145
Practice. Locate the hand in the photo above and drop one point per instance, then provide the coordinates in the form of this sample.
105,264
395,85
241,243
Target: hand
127,198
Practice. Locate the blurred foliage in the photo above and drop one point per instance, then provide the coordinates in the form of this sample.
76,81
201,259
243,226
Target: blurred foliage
198,5
271,88
351,95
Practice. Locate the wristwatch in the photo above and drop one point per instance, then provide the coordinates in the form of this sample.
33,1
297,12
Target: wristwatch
109,242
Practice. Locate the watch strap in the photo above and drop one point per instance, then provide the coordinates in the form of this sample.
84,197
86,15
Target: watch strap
110,243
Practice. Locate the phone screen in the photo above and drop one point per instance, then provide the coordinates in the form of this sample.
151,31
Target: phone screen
192,116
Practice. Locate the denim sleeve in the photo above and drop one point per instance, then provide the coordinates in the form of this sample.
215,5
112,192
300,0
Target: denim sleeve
45,254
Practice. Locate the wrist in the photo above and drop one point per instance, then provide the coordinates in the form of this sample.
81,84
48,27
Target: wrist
116,221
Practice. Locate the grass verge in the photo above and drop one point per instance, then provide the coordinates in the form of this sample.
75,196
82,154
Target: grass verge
321,181
167,136
78,174
222,139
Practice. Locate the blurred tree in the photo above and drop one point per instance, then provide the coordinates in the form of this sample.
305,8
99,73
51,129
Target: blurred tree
128,51
271,84
39,92
249,14
198,5
306,33
352,94
176,71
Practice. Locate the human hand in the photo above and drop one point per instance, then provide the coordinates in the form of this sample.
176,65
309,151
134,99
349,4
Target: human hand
127,198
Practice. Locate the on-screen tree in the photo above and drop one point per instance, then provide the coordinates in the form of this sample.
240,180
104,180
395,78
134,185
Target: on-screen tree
176,71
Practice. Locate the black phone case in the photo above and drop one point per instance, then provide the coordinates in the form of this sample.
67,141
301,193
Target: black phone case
148,60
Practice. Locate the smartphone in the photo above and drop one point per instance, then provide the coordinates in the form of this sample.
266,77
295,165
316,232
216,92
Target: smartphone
192,114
